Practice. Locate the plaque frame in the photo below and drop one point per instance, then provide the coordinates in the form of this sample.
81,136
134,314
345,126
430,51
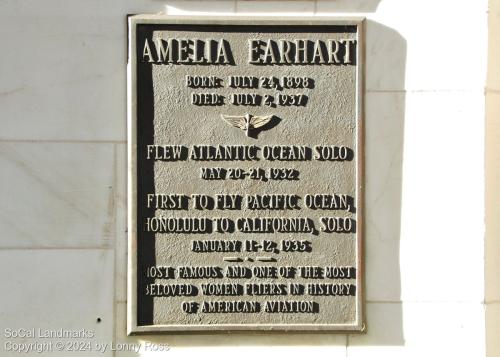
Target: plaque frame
132,22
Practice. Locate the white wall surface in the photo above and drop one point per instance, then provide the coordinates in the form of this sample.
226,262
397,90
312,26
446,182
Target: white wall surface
63,175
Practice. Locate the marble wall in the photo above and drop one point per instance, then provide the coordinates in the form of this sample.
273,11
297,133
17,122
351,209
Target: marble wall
63,165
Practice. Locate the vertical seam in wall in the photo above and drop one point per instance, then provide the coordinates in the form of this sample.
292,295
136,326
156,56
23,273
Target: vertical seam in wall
346,345
315,8
490,172
235,6
115,190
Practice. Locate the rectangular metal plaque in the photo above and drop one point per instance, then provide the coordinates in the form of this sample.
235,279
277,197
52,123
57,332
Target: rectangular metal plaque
245,174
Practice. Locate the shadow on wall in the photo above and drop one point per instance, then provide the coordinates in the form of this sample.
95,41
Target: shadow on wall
348,5
384,128
231,6
385,51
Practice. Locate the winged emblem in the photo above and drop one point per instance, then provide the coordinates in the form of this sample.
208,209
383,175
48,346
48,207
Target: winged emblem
247,122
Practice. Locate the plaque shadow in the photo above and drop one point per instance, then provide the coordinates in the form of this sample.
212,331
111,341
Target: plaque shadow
384,98
230,6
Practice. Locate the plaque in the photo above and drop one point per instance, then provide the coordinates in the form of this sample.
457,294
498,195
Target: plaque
245,174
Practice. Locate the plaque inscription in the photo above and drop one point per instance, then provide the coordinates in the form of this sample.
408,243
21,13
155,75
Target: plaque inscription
245,174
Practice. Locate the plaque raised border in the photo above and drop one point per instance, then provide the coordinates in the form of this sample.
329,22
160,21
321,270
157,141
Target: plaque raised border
133,21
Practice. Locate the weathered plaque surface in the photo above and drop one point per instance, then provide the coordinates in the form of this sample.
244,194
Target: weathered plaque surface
245,174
